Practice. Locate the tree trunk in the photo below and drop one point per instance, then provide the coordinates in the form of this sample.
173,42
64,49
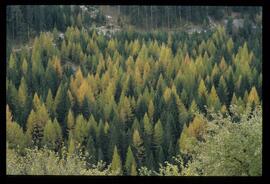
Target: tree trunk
168,19
151,17
180,18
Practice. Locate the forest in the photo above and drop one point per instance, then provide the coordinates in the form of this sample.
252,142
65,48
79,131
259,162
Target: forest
151,103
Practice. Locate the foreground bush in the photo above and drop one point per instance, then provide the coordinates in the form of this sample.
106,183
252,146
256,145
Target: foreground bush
228,148
47,162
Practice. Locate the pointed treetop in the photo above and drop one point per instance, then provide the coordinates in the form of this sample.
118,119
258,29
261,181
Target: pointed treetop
137,141
129,160
148,127
158,134
193,107
202,89
187,59
223,65
116,166
253,96
213,99
36,102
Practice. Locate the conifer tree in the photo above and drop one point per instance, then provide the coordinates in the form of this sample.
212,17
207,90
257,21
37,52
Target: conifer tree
37,68
61,104
130,87
24,67
133,171
169,132
158,135
141,107
71,145
160,155
15,135
223,110
196,127
114,139
36,122
81,130
136,125
184,97
12,97
148,129
22,101
12,72
223,65
253,96
57,67
151,109
222,90
173,109
213,100
36,102
101,139
70,120
51,77
149,163
171,152
139,147
230,45
85,108
202,95
116,162
52,135
91,149
124,110
50,104
193,107
183,115
129,161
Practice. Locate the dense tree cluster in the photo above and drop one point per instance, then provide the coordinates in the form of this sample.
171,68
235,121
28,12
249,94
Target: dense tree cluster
130,100
236,148
150,17
227,149
23,21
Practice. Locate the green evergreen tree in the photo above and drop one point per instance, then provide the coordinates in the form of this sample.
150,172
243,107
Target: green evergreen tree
129,161
36,122
158,135
116,162
15,135
50,104
91,149
22,102
149,163
52,135
202,95
61,105
134,169
222,90
100,155
81,130
101,138
213,100
139,147
148,130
